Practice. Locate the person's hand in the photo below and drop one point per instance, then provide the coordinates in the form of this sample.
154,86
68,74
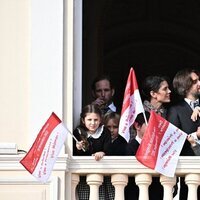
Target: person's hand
195,114
99,101
98,155
191,139
198,133
80,145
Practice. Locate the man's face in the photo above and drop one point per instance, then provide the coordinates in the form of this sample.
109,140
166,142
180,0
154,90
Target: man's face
194,91
103,91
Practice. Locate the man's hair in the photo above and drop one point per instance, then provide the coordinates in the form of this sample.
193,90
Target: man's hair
183,82
100,78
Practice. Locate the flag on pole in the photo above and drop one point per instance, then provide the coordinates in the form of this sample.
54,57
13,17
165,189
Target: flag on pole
161,145
40,159
131,107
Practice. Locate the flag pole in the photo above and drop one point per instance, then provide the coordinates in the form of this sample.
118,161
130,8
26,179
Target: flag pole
145,118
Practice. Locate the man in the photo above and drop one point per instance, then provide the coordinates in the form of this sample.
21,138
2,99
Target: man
186,83
103,92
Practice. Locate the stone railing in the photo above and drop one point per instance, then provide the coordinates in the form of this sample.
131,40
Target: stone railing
67,170
120,168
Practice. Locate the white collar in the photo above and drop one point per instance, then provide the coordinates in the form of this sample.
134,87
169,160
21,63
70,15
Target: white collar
138,139
189,101
112,107
97,134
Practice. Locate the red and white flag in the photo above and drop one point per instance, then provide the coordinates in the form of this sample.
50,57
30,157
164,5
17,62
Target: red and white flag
132,105
161,145
40,159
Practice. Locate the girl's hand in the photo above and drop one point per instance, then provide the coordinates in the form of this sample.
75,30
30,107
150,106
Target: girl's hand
195,114
80,145
98,155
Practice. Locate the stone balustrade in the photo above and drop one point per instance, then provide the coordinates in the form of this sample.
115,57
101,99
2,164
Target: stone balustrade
120,168
67,171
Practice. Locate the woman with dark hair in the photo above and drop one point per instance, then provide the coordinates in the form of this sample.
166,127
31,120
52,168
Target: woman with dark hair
156,91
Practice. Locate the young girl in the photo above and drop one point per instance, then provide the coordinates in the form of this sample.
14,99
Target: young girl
93,139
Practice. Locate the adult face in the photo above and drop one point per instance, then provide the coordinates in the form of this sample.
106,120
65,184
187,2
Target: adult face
194,91
103,91
163,94
92,122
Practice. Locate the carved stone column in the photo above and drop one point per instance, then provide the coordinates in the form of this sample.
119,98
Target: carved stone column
94,181
119,181
75,181
168,184
192,181
143,181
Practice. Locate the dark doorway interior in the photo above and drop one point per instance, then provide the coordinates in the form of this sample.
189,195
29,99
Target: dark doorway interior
153,37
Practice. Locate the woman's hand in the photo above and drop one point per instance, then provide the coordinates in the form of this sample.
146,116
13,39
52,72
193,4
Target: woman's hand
98,155
195,114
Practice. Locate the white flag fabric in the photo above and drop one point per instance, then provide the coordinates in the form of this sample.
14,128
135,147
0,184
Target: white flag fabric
161,145
40,159
132,105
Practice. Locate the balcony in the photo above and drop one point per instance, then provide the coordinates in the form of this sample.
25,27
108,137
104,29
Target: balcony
65,177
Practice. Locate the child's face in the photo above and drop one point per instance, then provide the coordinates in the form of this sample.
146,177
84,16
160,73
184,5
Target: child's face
113,126
92,122
140,129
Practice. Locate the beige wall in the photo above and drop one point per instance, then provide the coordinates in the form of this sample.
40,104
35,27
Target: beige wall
14,70
32,67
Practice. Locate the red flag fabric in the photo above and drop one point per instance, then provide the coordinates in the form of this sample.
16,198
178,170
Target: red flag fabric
132,105
40,159
161,145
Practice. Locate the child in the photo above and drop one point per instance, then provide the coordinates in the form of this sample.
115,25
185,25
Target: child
94,139
155,189
118,146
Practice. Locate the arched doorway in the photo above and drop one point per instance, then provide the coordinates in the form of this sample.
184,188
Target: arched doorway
154,37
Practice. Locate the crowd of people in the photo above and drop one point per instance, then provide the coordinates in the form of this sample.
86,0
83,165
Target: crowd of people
98,135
